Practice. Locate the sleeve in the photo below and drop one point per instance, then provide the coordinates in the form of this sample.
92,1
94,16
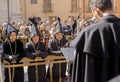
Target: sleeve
28,52
44,51
21,51
5,52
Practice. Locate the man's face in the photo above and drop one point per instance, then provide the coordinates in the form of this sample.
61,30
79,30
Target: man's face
35,39
71,21
13,36
59,36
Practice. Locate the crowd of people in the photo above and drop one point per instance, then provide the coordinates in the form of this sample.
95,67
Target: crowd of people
36,39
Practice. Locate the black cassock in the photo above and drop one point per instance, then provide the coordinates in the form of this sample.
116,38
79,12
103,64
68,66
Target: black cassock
55,45
36,73
17,73
98,51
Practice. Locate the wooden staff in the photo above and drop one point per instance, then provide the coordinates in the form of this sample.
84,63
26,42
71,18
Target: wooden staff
36,68
51,78
9,71
1,78
60,78
13,74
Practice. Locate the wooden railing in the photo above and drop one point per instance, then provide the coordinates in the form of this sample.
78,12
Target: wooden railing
37,61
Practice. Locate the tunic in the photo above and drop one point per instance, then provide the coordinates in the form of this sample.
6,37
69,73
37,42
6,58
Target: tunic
17,72
36,73
55,45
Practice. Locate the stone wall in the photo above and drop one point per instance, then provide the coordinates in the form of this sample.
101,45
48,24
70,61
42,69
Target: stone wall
14,11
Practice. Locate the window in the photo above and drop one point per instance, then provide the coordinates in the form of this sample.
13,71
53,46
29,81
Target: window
73,5
33,1
47,6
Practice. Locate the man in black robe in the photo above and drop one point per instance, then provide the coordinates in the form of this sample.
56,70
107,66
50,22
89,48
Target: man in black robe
98,47
54,46
34,49
13,52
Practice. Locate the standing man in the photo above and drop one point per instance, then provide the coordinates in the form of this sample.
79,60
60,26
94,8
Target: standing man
54,46
34,49
98,46
13,52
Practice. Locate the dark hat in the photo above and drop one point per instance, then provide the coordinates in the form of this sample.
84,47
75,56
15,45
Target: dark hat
58,28
10,29
34,29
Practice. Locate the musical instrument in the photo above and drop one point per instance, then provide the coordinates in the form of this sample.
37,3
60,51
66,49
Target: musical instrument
88,22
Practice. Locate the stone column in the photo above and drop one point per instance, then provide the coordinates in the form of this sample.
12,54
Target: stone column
3,11
15,12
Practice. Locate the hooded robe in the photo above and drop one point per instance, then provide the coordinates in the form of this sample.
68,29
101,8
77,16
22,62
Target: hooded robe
13,49
54,49
98,51
36,73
